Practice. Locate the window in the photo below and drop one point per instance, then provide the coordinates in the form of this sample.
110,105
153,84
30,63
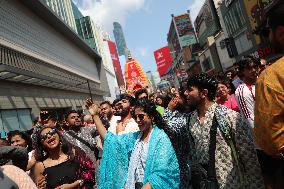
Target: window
10,120
234,19
19,119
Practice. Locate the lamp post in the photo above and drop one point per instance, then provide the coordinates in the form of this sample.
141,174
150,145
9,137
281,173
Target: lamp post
89,88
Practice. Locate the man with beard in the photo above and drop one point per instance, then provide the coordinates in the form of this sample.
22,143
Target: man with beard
176,116
220,141
107,116
269,103
80,136
123,107
245,93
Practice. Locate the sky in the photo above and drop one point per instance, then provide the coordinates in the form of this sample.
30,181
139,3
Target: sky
145,23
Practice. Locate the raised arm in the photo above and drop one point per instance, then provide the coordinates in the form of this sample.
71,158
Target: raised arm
93,109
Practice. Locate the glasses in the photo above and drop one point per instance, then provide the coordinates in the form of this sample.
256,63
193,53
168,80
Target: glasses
140,116
45,136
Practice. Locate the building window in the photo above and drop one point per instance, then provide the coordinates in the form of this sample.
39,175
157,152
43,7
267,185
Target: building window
234,19
16,119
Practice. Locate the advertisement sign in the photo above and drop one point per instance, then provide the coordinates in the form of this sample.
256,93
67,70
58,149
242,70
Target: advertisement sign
116,63
256,13
163,59
173,39
185,30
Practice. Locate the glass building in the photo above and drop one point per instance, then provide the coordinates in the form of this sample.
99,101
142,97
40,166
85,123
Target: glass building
85,30
120,40
63,8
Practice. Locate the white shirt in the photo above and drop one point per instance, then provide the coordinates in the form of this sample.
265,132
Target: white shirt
131,125
245,98
113,123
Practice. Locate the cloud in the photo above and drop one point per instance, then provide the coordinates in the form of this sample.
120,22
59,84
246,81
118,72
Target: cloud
105,12
141,51
195,8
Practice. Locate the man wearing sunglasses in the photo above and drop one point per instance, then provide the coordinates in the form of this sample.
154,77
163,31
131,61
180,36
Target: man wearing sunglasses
269,102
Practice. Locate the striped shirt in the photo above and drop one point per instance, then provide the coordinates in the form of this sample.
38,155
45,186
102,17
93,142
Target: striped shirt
245,97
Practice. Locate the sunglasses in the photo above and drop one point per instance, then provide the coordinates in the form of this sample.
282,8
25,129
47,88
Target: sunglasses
140,116
51,133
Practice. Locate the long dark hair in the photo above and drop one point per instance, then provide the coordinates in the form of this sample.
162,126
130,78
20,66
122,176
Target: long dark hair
41,153
150,108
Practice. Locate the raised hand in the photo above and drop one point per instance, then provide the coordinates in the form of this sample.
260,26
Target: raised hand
93,109
173,103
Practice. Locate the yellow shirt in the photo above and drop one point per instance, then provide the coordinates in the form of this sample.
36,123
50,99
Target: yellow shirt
269,109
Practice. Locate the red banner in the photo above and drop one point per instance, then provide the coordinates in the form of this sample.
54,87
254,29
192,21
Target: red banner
163,59
116,63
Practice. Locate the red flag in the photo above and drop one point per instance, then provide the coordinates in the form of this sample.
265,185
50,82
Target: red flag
163,59
116,63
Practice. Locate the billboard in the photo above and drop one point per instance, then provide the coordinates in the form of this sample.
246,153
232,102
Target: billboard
185,30
163,59
256,13
116,63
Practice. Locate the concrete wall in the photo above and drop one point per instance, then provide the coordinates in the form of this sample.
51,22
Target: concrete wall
24,31
17,95
225,60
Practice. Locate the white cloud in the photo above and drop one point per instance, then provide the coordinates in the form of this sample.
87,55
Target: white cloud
195,8
142,51
105,12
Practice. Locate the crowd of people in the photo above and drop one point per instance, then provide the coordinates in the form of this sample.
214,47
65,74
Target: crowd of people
212,132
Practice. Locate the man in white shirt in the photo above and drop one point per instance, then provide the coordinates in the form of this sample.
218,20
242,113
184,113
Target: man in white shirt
245,93
108,115
123,107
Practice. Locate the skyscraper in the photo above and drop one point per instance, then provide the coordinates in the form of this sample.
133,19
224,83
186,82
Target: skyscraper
120,40
63,8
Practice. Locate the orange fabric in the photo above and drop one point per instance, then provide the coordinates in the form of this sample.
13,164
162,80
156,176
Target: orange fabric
269,109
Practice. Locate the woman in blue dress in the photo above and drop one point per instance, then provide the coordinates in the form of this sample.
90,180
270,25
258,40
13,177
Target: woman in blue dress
144,159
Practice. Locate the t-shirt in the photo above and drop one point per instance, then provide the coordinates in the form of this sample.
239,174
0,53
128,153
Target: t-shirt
230,103
269,109
131,125
245,97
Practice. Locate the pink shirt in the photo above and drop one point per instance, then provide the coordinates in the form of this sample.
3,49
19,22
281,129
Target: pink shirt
230,103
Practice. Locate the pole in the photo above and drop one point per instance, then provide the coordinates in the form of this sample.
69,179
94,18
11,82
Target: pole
90,93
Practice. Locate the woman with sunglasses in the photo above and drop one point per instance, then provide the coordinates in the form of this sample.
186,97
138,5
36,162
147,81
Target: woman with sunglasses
144,159
59,164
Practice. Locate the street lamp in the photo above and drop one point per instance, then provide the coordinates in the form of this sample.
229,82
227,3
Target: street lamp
89,88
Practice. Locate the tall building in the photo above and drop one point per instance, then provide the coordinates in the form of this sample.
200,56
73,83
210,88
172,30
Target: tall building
76,12
63,8
208,29
154,78
120,40
85,30
242,19
98,39
44,65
